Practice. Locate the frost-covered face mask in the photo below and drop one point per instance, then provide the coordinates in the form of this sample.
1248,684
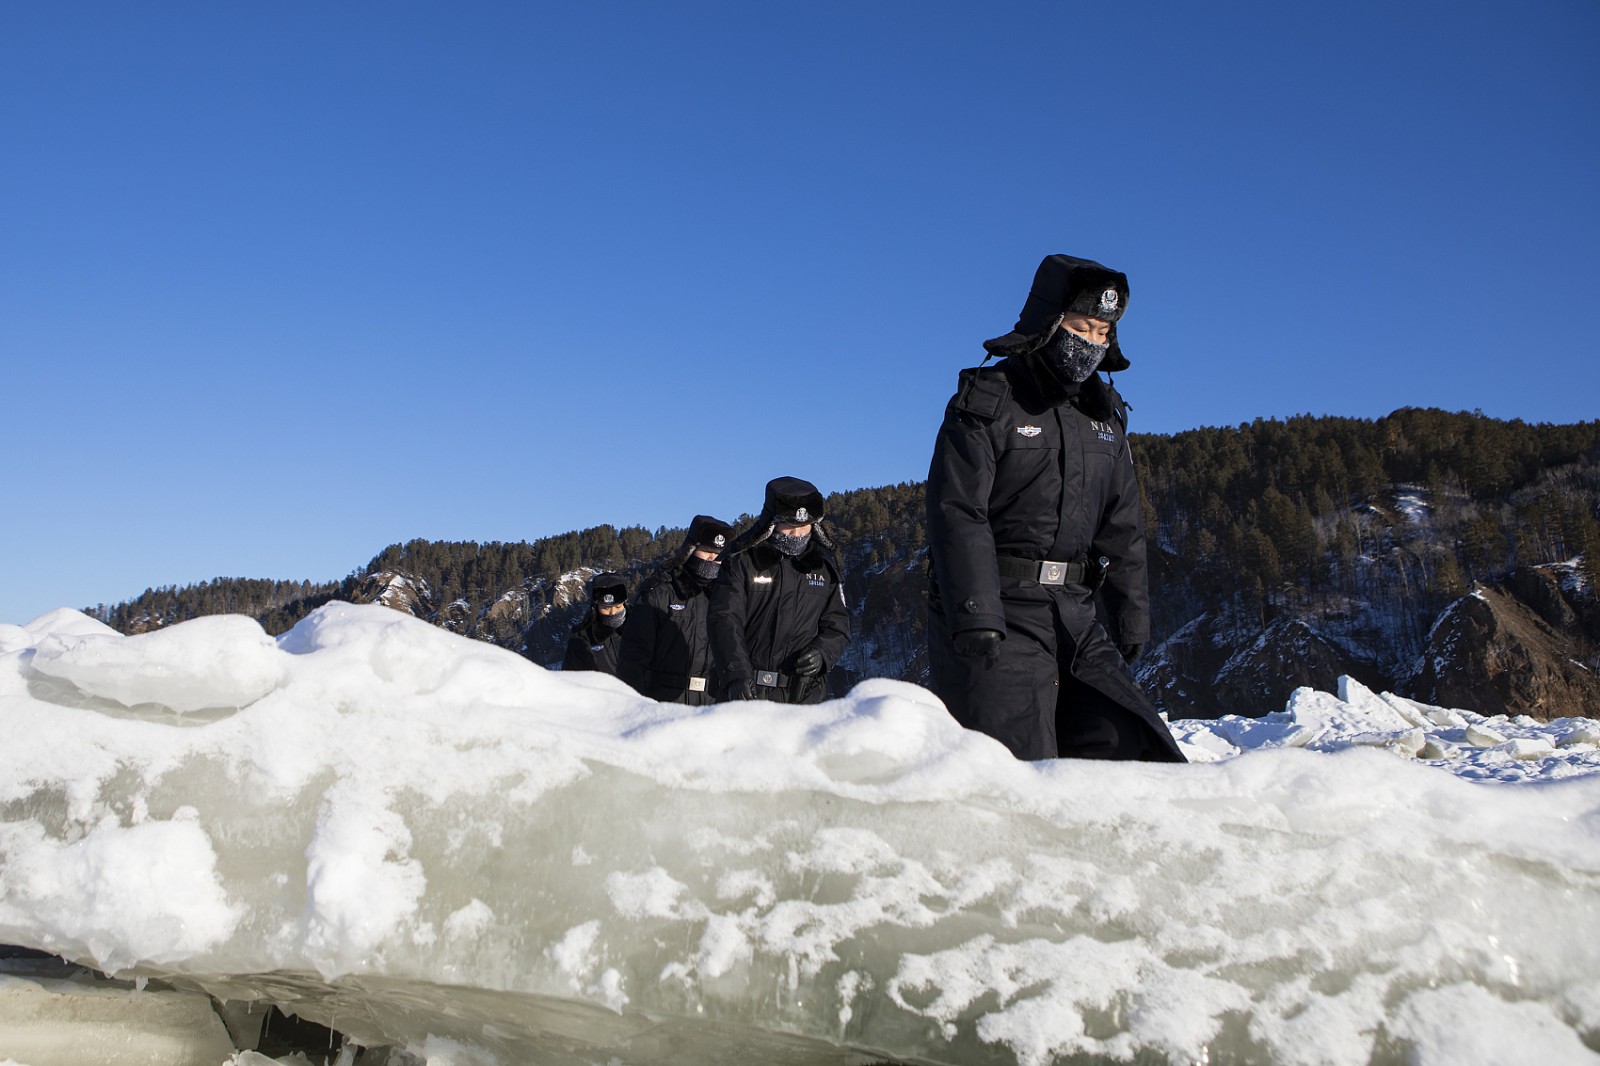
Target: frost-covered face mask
1071,358
613,621
704,570
789,543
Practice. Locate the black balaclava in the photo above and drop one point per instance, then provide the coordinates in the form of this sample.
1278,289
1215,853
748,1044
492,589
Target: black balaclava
1071,358
789,544
612,621
704,571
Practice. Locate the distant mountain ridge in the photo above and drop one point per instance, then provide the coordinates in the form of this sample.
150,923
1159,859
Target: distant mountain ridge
1447,556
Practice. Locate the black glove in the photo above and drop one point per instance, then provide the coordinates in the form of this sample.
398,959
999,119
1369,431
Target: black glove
1130,652
808,663
742,690
973,643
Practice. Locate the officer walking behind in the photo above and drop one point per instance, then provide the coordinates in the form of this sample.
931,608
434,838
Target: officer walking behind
1032,508
596,639
778,617
666,649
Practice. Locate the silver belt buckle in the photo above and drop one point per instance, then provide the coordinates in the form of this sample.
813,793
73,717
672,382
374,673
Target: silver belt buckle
697,684
767,678
1052,573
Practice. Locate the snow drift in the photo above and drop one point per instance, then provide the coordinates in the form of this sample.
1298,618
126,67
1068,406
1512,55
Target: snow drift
425,840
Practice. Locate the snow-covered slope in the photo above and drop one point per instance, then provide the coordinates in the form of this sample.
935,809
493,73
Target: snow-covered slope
426,840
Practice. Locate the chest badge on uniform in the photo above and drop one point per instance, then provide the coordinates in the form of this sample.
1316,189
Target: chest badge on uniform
1029,431
762,579
676,606
597,647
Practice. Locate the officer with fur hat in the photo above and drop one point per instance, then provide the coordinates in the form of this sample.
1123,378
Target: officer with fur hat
1033,509
778,617
596,640
666,649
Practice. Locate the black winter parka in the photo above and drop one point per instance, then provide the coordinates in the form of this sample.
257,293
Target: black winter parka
666,643
593,646
767,607
1022,469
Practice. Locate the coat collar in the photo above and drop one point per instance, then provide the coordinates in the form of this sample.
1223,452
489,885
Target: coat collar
1029,378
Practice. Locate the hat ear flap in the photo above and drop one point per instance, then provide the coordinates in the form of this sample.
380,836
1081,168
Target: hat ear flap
1115,361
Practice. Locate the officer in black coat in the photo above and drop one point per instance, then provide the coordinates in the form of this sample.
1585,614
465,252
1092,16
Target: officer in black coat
1032,509
666,649
596,640
778,617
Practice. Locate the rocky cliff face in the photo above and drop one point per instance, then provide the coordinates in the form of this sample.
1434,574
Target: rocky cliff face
1524,646
1219,664
1287,655
1494,653
403,592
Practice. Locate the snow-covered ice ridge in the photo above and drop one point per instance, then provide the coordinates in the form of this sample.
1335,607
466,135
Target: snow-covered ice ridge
425,840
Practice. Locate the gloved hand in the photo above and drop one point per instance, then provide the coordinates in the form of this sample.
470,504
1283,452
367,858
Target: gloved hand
808,663
1130,652
973,643
742,690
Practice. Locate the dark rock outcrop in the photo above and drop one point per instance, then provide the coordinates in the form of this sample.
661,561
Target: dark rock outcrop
1492,653
1219,665
1287,655
1180,673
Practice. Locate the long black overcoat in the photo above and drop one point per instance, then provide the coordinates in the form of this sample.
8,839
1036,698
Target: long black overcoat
1025,470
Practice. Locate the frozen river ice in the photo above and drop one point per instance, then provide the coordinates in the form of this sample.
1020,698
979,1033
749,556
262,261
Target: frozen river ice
428,842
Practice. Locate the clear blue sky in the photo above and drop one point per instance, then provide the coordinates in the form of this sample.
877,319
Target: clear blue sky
281,284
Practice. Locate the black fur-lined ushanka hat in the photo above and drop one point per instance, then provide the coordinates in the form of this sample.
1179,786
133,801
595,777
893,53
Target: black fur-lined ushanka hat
712,534
608,590
791,499
1065,284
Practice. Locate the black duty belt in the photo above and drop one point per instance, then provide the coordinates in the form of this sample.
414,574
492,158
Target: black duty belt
1050,572
683,682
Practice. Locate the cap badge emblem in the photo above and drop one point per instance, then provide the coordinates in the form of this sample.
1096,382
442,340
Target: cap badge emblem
608,598
802,515
1108,300
1029,431
719,540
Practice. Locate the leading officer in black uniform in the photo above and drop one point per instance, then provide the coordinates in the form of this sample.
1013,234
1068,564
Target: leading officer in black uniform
1032,509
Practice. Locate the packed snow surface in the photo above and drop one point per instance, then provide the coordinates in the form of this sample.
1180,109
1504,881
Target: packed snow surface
427,841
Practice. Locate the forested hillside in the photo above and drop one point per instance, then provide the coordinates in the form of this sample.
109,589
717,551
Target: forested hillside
1280,551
